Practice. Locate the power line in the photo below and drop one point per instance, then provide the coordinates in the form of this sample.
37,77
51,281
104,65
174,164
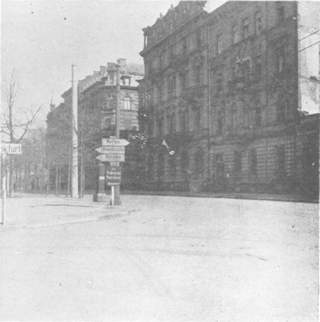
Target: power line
315,43
308,35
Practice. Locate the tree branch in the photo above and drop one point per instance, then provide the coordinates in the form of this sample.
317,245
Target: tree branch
28,123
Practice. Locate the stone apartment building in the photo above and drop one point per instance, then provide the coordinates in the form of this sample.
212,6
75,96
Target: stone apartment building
222,91
96,119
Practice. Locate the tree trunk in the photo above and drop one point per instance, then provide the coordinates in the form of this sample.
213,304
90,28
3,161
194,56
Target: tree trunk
10,190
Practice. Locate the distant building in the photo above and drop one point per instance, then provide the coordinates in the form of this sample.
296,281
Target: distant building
97,102
221,93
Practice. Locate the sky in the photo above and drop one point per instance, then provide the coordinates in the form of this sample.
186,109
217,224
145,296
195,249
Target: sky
42,38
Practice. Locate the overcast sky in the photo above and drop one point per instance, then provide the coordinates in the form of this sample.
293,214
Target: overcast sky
41,39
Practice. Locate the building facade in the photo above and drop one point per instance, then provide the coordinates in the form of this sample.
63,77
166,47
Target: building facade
97,99
221,99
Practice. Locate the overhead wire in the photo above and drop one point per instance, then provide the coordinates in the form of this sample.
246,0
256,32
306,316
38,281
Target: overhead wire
315,43
310,34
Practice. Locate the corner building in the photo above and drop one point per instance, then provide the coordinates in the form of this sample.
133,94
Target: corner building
97,97
222,90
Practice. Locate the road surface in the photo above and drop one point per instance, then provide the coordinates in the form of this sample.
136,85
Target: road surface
159,259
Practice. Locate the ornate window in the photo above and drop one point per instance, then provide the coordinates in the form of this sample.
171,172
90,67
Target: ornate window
219,47
246,69
253,161
220,122
245,28
281,112
184,160
258,116
280,59
280,13
258,22
233,118
234,34
160,126
183,81
199,162
280,159
172,84
184,45
150,166
198,38
219,83
172,123
197,74
183,123
172,166
197,117
160,165
258,67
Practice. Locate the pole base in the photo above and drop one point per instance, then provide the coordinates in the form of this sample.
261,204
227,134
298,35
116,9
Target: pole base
100,197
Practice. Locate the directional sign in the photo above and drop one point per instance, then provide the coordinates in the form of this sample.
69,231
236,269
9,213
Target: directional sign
111,157
115,141
114,168
114,175
113,183
111,149
12,148
113,180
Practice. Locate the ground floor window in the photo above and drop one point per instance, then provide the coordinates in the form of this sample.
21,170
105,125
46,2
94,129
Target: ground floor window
253,162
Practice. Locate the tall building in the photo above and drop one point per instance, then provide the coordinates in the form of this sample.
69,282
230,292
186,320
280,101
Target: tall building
222,100
96,118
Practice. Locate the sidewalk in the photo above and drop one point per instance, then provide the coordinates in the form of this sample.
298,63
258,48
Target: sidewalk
31,211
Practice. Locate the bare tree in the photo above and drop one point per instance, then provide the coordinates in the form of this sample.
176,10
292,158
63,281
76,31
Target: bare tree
15,126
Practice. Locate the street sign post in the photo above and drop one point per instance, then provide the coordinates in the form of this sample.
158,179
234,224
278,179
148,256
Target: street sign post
113,151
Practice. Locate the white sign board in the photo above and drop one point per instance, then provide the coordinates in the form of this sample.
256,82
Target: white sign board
111,149
115,142
12,148
111,157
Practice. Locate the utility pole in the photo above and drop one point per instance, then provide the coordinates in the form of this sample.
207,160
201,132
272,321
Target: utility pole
115,190
74,183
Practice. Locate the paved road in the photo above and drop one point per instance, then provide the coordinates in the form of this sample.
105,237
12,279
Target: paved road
167,259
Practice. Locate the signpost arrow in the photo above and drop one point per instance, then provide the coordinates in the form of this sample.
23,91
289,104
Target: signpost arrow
113,141
111,157
111,149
